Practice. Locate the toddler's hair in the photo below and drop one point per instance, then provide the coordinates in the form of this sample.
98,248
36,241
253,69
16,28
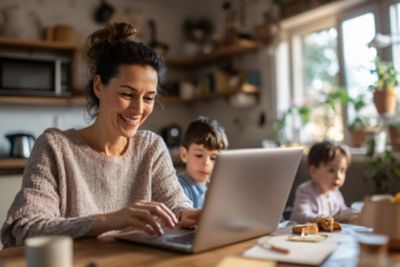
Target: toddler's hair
326,151
207,132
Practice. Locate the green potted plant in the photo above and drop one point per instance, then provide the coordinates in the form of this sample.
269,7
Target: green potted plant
384,94
359,125
328,103
302,111
381,170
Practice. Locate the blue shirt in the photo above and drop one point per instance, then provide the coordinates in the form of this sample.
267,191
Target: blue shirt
194,191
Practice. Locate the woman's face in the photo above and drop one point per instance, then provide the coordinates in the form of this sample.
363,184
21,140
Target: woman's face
127,100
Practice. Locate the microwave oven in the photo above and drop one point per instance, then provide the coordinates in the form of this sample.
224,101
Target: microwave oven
35,75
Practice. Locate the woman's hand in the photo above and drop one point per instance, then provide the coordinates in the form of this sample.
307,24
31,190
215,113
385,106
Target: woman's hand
189,218
150,217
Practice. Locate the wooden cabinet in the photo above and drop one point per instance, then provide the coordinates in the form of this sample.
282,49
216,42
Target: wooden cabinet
221,83
67,50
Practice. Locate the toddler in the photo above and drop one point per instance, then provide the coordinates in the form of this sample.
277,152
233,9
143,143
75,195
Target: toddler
327,166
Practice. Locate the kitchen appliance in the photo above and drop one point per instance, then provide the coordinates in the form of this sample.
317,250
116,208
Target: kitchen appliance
34,74
172,135
21,144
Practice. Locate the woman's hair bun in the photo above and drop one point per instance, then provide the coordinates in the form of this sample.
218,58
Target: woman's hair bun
99,41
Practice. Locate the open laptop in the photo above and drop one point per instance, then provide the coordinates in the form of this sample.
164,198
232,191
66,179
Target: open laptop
247,194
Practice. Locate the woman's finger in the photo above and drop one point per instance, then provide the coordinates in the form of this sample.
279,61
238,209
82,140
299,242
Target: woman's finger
159,210
147,218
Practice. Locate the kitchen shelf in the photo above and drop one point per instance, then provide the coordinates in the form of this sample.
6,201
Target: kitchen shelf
38,44
12,166
41,100
176,99
10,163
223,53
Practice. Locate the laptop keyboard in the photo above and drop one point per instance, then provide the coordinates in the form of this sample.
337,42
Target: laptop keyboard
182,239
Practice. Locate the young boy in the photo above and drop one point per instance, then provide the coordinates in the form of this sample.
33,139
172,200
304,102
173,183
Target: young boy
204,138
327,165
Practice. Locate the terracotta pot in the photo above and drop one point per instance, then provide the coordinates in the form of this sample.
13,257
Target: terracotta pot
394,135
385,101
357,137
383,215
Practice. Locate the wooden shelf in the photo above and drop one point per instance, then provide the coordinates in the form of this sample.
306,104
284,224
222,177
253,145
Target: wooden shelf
241,47
177,99
10,163
41,100
38,44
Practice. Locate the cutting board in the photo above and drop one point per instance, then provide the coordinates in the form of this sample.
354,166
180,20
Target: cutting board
300,252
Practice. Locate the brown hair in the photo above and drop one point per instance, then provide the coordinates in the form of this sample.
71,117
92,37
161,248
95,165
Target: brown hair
109,48
325,152
207,132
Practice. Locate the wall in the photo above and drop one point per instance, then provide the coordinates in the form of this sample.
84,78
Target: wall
9,186
241,124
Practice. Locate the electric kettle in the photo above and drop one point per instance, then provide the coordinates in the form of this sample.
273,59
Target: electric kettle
21,144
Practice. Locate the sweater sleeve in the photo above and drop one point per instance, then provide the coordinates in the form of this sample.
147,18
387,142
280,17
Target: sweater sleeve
165,186
304,208
36,207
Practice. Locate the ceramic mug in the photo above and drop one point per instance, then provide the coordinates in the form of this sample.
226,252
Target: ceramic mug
49,251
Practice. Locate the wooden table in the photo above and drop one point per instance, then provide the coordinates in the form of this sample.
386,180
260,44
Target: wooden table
115,253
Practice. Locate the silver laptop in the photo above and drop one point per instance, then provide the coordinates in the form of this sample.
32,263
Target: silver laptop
245,199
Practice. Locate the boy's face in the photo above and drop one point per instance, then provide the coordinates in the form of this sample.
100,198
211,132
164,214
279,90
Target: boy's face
199,162
330,176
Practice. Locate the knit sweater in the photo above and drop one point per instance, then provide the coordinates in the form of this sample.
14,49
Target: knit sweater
309,203
66,182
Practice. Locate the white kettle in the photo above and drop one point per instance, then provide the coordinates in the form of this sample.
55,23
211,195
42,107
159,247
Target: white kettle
19,22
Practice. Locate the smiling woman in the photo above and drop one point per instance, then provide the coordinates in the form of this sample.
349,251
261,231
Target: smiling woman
110,175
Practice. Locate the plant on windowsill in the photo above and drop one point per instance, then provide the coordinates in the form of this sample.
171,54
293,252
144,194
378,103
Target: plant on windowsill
359,127
303,112
328,103
381,170
384,93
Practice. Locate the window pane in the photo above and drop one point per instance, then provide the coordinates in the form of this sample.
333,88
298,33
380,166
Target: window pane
358,58
395,30
321,67
320,77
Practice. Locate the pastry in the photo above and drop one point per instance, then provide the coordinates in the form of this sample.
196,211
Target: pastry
326,223
337,226
305,229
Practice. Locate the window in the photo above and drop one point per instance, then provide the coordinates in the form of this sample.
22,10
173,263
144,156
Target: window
395,31
325,52
358,58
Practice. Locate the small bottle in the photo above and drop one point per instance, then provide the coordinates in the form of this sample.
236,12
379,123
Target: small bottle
373,250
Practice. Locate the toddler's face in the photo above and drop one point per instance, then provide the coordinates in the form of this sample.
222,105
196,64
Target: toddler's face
199,162
330,176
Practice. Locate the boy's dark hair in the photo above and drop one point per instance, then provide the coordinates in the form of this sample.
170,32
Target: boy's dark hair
325,152
207,132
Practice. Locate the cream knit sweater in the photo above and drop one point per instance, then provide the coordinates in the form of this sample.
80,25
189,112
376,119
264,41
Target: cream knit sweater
65,183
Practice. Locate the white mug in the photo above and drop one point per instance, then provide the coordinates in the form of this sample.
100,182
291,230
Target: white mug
49,251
